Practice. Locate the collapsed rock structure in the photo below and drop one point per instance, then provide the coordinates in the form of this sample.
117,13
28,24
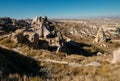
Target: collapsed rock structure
41,29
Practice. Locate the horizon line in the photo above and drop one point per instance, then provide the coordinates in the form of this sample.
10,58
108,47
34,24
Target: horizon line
64,17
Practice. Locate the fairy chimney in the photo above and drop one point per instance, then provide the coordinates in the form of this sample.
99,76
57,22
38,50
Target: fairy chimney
100,37
36,21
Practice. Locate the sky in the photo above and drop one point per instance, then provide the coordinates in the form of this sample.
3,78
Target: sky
59,8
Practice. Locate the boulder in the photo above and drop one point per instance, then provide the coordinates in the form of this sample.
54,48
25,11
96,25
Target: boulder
116,56
93,64
99,54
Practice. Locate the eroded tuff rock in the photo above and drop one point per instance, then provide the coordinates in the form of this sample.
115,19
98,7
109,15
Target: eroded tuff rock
42,26
79,30
36,21
29,37
17,36
100,37
6,25
116,56
41,31
21,24
47,31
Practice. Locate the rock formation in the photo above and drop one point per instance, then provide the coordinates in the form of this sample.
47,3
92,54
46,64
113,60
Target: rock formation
116,56
47,31
36,22
14,22
29,37
42,29
2,22
6,24
32,39
100,37
17,36
22,24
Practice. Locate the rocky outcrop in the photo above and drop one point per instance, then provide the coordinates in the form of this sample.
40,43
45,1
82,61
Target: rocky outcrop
78,30
29,37
36,22
14,22
6,25
47,31
40,26
41,30
22,24
2,22
17,36
116,56
100,37
5,21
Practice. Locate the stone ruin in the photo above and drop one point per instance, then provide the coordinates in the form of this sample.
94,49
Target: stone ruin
41,31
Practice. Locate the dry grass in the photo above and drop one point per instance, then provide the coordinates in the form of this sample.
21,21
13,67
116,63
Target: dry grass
62,72
8,43
102,73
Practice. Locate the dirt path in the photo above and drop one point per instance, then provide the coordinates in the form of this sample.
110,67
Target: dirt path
60,62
